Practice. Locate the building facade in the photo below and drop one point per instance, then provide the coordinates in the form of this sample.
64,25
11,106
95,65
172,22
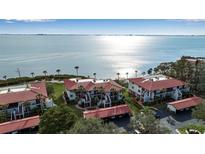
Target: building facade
157,87
93,93
23,101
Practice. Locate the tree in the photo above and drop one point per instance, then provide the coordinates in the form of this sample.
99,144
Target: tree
143,73
136,73
94,74
149,71
45,73
50,89
32,74
58,119
3,117
192,72
58,71
5,77
118,76
199,111
101,91
76,68
146,123
93,126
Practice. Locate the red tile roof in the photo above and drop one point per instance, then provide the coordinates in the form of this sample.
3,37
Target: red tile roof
88,86
186,103
69,84
107,112
22,96
39,88
156,85
20,124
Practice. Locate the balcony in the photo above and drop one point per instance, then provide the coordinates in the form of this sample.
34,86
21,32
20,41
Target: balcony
14,113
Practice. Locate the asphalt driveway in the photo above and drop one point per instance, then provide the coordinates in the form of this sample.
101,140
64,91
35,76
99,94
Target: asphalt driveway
178,120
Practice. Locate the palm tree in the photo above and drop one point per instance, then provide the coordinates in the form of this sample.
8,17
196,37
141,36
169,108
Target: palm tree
149,71
5,77
94,74
58,71
32,74
45,73
136,73
143,73
118,76
127,75
76,68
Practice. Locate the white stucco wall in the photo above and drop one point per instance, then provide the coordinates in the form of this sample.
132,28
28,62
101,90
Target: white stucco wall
135,88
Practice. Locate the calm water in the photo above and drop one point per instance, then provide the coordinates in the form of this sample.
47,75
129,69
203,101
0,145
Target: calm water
104,55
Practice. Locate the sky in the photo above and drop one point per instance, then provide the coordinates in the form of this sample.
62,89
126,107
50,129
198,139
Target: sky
106,26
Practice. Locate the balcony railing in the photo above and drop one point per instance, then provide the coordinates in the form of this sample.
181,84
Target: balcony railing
8,115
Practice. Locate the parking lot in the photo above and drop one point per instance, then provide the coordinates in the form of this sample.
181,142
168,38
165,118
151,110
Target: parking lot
167,119
122,122
180,119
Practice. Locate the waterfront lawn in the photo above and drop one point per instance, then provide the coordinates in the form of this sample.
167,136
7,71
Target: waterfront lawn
58,91
200,128
58,97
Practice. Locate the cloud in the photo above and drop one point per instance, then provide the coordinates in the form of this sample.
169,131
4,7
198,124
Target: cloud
187,20
11,21
36,20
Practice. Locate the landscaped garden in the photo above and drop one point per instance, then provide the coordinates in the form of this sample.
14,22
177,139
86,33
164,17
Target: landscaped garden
57,90
133,105
192,129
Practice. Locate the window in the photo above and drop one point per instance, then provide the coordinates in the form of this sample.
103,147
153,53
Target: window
132,87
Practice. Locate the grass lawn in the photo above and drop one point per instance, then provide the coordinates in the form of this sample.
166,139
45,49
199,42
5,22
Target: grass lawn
58,90
58,97
200,128
159,106
134,107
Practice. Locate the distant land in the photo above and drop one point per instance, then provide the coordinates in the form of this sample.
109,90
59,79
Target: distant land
104,34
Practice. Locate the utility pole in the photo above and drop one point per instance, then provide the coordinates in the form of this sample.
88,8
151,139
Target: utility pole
19,72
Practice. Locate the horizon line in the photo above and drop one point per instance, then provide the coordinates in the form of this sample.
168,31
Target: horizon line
128,34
